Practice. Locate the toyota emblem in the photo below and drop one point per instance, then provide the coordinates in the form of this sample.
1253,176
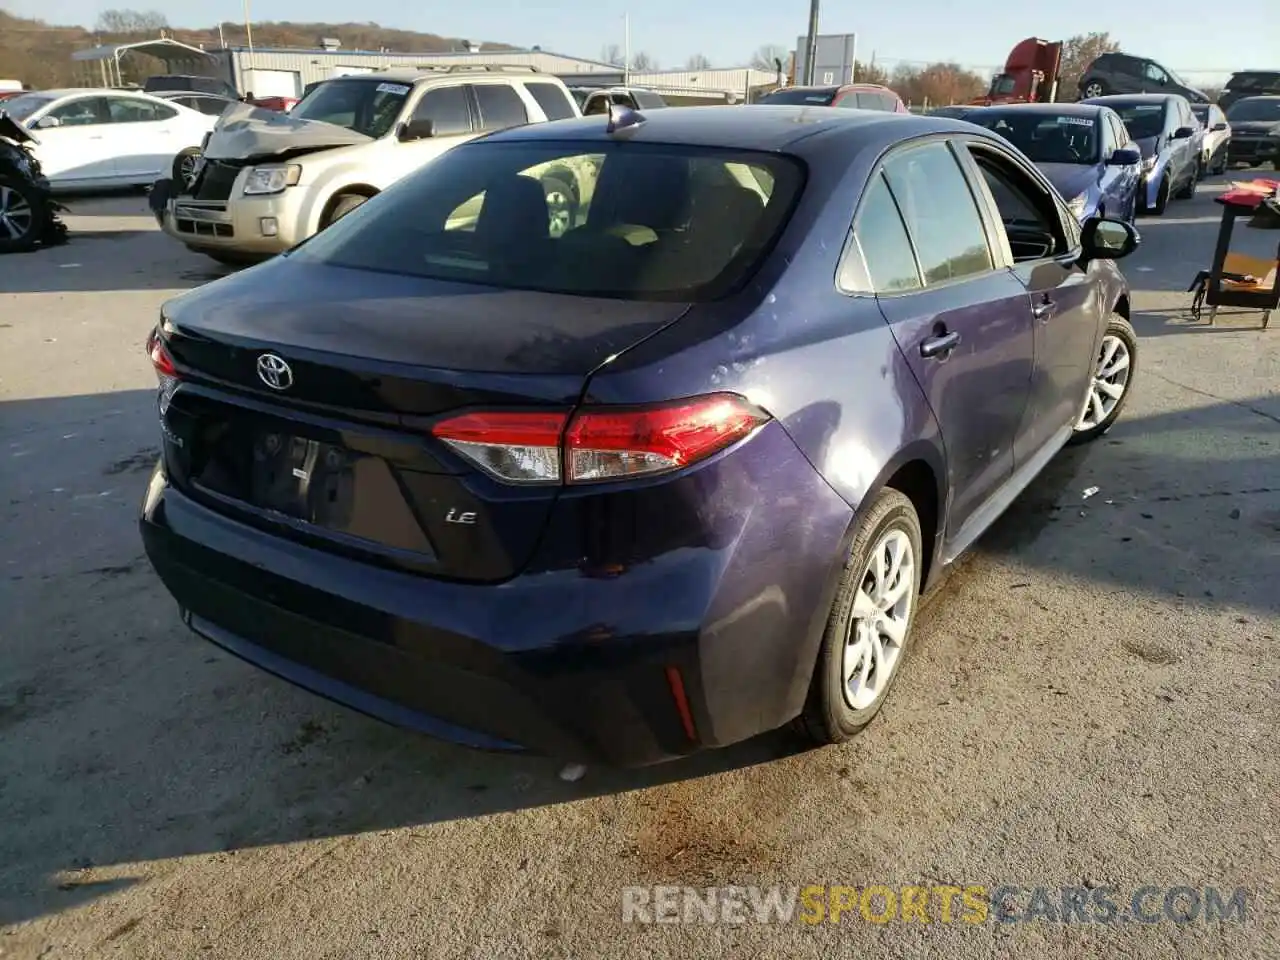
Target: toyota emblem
274,372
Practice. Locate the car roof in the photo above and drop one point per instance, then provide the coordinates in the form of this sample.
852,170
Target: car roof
763,127
1085,108
1133,98
89,91
1261,96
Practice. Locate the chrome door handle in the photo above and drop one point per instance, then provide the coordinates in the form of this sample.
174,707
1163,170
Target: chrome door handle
937,346
1045,310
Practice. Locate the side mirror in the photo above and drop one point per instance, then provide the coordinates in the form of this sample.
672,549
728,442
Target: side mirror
45,123
1182,133
1218,127
1125,157
419,128
1105,239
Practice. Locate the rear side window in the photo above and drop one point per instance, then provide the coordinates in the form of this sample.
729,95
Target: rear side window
647,100
626,220
882,239
553,100
941,215
446,108
500,106
874,101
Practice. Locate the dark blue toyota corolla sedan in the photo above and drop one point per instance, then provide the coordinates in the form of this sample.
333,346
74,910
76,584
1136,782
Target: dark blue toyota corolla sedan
655,470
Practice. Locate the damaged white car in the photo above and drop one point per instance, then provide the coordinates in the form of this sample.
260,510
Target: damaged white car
266,181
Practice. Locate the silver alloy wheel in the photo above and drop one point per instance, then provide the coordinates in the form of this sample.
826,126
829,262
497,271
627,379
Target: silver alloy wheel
1110,381
882,610
187,167
16,216
1093,90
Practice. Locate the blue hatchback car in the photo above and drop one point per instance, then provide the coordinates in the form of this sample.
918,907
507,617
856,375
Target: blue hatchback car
658,479
1084,150
1171,140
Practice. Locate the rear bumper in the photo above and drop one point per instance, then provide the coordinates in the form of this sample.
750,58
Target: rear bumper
1253,149
556,662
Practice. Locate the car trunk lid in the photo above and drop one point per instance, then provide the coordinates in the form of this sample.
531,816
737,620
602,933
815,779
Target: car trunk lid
305,395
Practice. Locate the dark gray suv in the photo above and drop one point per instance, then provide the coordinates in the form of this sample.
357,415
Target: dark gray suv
1125,73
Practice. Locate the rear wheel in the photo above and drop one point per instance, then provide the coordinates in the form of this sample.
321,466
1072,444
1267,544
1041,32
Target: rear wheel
869,629
1113,372
1095,88
20,215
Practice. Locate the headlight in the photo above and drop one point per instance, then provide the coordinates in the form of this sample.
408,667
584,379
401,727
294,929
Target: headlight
272,179
1077,206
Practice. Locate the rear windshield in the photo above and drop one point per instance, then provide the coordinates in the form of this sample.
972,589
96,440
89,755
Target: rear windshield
1142,120
1247,81
365,106
1064,138
1255,109
620,220
799,96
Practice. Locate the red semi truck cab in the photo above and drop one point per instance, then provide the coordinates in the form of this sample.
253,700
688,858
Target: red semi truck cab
1030,74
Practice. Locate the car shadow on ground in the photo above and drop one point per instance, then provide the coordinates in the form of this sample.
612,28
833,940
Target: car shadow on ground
125,740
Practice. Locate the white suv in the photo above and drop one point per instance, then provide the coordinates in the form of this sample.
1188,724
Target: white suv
267,180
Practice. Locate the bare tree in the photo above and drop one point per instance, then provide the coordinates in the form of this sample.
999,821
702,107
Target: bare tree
132,21
937,84
612,53
870,73
1077,53
765,56
644,63
697,62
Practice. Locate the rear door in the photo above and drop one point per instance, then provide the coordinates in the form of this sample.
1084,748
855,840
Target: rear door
962,320
1125,75
145,137
1043,242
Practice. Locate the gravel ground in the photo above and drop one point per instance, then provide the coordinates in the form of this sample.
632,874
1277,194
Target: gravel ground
1093,700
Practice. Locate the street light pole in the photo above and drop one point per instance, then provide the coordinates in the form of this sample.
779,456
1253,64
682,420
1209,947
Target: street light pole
811,43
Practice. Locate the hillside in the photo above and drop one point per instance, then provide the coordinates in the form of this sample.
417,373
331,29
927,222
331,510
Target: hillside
40,54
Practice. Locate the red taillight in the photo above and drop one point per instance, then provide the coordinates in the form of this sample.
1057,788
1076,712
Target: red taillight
160,358
599,443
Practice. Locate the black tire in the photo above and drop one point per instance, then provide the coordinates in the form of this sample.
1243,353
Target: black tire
1119,328
183,171
23,215
827,716
1094,88
1162,198
342,205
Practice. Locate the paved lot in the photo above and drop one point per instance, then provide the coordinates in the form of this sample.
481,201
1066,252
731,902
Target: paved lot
1093,700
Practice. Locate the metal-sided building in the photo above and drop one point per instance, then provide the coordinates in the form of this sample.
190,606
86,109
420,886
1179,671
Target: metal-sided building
266,72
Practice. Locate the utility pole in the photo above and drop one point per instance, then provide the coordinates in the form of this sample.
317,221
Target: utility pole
626,49
811,43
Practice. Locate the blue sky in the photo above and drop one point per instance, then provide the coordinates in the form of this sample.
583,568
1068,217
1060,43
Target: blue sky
1179,33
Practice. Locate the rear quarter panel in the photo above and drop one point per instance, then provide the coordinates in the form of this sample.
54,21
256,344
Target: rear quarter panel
824,364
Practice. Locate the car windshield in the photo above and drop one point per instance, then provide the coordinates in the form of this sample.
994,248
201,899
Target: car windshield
1142,120
1257,108
1046,138
19,108
617,219
365,106
799,96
